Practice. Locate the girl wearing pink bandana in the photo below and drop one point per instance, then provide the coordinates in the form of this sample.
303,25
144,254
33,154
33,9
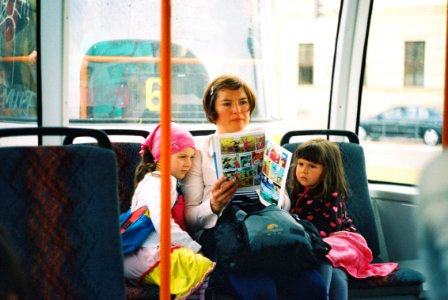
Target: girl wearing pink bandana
189,269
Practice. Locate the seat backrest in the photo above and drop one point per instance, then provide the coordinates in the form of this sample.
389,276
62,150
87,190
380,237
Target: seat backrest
359,205
128,158
60,207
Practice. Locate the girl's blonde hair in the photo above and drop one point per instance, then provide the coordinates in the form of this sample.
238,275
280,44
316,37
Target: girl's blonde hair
326,153
146,165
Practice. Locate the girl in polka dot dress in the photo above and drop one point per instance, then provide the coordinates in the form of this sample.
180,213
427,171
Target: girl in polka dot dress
318,191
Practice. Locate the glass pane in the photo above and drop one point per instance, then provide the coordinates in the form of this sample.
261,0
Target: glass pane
401,121
114,58
415,63
307,30
18,56
306,63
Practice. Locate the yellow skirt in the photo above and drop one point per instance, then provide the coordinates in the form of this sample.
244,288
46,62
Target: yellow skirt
189,270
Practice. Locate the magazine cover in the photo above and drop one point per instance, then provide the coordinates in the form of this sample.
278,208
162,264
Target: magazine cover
256,163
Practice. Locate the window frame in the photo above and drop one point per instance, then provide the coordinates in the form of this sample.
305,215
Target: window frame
414,65
306,64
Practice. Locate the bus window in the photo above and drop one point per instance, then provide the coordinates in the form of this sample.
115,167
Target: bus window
18,56
402,99
120,80
305,35
114,61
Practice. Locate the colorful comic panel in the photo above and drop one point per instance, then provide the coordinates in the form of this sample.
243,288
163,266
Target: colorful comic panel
237,144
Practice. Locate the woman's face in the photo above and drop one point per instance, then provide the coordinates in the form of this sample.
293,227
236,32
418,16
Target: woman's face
233,109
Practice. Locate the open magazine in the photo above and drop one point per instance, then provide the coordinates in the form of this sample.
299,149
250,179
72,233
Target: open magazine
257,163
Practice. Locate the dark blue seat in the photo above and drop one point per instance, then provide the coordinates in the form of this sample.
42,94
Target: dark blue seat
128,158
60,207
403,282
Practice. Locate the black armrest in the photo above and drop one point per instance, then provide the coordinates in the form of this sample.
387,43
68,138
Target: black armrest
201,132
69,133
352,137
121,131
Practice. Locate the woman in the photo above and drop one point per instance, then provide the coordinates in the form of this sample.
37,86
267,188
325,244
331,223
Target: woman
229,102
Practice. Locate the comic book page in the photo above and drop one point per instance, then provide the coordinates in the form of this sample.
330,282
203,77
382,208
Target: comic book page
255,163
239,155
276,162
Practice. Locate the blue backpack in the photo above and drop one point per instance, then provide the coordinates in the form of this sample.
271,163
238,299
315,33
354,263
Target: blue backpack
135,227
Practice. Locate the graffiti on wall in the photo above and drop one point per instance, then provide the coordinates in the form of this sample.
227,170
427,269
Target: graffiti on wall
18,87
17,103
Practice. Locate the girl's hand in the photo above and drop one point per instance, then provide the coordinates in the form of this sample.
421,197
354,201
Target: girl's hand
222,192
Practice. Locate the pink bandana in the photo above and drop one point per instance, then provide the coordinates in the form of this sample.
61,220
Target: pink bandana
180,139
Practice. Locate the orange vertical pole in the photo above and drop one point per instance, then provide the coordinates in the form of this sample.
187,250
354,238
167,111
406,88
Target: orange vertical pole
165,114
84,89
445,103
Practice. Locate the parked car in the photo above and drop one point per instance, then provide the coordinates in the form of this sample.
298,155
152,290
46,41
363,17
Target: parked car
404,121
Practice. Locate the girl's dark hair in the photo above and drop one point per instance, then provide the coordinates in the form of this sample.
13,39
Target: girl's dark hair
146,165
326,153
222,82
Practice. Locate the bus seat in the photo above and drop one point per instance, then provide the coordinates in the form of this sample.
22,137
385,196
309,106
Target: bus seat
60,207
128,158
404,282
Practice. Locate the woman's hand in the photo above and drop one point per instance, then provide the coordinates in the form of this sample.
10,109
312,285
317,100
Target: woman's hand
32,58
222,192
